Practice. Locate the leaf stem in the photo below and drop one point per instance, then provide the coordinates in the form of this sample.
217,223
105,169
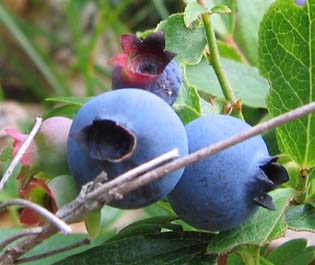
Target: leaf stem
215,61
250,254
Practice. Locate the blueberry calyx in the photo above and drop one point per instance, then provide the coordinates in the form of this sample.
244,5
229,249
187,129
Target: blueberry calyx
108,140
276,175
275,172
265,201
149,64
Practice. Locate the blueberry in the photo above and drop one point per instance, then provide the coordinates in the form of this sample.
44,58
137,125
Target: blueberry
168,84
222,191
119,130
146,65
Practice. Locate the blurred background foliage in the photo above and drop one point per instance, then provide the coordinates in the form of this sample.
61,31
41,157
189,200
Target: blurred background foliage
61,47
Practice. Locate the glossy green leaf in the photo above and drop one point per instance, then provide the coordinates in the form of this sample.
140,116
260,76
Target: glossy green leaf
287,59
187,43
258,229
301,218
251,88
168,248
292,252
251,13
187,104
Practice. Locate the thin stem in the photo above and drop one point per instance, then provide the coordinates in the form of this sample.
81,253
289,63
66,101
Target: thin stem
21,152
83,242
215,61
24,233
61,225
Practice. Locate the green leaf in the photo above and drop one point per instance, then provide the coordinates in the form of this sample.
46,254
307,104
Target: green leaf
152,225
61,194
250,254
7,153
287,59
292,252
310,180
258,229
187,104
207,107
187,43
223,25
301,218
251,13
252,89
109,217
56,242
226,51
192,11
68,111
168,248
70,100
93,223
234,259
221,9
11,189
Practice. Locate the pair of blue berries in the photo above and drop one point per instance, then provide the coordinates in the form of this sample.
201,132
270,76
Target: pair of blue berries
121,129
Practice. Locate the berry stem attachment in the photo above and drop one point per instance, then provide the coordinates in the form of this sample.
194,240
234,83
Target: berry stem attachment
215,61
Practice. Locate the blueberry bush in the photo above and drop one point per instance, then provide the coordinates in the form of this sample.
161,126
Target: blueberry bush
211,70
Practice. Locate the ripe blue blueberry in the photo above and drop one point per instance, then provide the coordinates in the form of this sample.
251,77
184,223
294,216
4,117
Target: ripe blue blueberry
122,129
222,191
